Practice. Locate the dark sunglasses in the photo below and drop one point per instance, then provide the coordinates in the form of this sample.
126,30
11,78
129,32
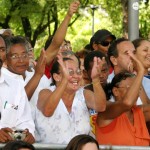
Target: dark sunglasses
104,43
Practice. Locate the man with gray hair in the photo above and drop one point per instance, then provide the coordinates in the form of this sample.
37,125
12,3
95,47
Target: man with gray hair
15,111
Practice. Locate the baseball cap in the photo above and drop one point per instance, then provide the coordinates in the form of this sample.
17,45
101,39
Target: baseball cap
100,36
6,31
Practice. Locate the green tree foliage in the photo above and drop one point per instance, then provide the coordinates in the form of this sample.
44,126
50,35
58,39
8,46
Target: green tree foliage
144,19
39,19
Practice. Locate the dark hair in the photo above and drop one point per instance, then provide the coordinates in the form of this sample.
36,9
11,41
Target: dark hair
55,68
112,50
90,56
87,47
79,141
99,36
119,77
137,42
10,41
16,145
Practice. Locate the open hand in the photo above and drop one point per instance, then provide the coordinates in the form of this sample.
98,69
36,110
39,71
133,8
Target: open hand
97,66
73,8
135,65
63,65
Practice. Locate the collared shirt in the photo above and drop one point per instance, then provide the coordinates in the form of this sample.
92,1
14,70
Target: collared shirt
14,106
44,83
146,85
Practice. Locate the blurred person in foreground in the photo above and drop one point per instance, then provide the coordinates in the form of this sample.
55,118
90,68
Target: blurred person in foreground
18,145
82,142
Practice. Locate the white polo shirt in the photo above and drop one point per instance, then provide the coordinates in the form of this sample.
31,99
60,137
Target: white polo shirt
44,83
15,109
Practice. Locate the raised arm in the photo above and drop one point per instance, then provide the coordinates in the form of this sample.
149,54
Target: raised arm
60,34
97,99
39,71
115,109
49,100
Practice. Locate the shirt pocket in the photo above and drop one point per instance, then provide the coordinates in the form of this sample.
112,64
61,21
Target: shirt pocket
9,115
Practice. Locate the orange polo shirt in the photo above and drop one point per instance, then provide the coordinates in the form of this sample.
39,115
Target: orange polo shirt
121,132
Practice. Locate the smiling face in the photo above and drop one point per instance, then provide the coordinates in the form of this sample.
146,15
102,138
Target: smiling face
75,75
143,54
17,59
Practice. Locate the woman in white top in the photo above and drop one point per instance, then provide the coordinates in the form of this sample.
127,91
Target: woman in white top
63,108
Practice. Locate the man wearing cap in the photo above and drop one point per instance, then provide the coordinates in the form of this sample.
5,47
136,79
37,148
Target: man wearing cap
101,40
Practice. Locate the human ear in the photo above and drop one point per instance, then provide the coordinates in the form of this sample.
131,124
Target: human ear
113,60
95,46
115,91
56,77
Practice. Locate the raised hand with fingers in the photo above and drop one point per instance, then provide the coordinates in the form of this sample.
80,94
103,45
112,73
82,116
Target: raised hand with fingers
73,8
63,66
136,64
97,66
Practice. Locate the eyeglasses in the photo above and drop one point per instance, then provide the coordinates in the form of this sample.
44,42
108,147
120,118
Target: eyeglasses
67,53
105,43
17,57
72,72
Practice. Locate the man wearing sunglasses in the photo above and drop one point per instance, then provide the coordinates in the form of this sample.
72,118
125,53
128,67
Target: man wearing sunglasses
101,40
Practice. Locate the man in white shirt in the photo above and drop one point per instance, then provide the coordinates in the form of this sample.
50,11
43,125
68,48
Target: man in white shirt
15,111
121,61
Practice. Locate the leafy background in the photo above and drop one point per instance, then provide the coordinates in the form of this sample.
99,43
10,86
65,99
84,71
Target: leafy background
39,19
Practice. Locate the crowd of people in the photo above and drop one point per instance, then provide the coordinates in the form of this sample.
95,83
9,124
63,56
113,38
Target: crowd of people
99,95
